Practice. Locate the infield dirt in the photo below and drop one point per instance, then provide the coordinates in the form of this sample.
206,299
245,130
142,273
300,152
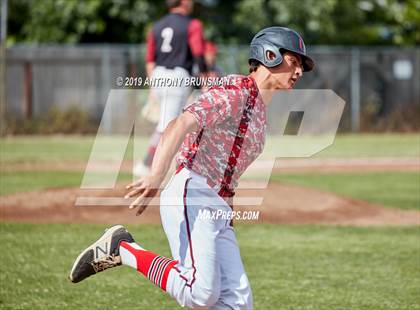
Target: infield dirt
282,203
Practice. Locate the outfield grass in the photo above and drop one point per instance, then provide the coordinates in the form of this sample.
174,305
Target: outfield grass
391,189
45,149
24,181
41,149
294,267
374,145
360,145
77,148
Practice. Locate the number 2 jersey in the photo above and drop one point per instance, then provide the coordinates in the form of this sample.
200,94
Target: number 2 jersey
176,40
216,148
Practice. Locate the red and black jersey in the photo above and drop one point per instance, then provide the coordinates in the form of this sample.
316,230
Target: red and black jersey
219,113
175,41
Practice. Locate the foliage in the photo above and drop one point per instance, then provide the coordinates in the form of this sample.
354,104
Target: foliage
361,22
63,21
403,118
72,120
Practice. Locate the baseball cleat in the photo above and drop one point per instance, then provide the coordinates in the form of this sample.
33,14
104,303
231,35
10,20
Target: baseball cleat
101,255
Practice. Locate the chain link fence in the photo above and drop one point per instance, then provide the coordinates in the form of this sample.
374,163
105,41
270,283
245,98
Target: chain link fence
375,82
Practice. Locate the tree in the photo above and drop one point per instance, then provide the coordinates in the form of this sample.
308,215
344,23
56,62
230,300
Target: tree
347,22
71,21
339,22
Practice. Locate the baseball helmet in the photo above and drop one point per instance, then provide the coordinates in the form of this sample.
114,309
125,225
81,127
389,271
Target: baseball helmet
276,40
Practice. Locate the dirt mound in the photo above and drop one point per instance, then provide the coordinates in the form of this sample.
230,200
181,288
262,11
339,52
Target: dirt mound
58,206
297,205
281,204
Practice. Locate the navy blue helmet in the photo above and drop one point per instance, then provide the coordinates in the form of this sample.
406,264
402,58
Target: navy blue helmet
277,40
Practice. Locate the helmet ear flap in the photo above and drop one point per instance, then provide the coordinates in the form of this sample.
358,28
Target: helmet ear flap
272,56
261,51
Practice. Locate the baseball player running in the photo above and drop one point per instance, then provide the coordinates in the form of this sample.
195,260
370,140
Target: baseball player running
174,44
217,137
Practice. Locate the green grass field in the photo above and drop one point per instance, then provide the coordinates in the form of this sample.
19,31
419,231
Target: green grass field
23,181
77,148
296,267
290,267
390,189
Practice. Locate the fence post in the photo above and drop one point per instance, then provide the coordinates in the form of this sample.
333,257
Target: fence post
355,89
27,103
3,80
105,85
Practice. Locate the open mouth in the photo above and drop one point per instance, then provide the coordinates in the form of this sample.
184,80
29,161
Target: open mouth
293,81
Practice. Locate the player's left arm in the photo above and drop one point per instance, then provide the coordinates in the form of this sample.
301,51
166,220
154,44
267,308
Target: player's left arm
169,144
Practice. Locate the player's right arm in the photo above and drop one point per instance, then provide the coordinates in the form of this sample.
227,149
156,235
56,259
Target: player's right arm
196,43
169,144
150,53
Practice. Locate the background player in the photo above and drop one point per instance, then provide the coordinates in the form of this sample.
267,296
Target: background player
210,55
221,133
174,44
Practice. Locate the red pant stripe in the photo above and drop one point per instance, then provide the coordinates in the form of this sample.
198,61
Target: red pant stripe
189,232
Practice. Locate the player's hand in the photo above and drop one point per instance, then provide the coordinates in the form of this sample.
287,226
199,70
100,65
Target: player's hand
146,188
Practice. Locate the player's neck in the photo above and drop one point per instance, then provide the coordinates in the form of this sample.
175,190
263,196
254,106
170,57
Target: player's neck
265,86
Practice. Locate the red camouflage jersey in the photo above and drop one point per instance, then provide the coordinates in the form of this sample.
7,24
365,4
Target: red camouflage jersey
218,113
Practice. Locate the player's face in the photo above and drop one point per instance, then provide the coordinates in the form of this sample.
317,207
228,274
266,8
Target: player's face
189,5
285,75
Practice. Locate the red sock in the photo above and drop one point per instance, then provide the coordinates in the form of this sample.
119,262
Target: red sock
150,155
154,141
155,267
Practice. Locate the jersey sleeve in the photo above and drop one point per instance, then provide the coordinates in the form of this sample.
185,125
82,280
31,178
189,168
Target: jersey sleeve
150,47
196,38
215,105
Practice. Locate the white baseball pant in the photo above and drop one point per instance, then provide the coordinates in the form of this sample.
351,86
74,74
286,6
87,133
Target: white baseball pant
209,272
172,98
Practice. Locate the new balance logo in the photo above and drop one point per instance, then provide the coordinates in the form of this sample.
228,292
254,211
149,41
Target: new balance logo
98,248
